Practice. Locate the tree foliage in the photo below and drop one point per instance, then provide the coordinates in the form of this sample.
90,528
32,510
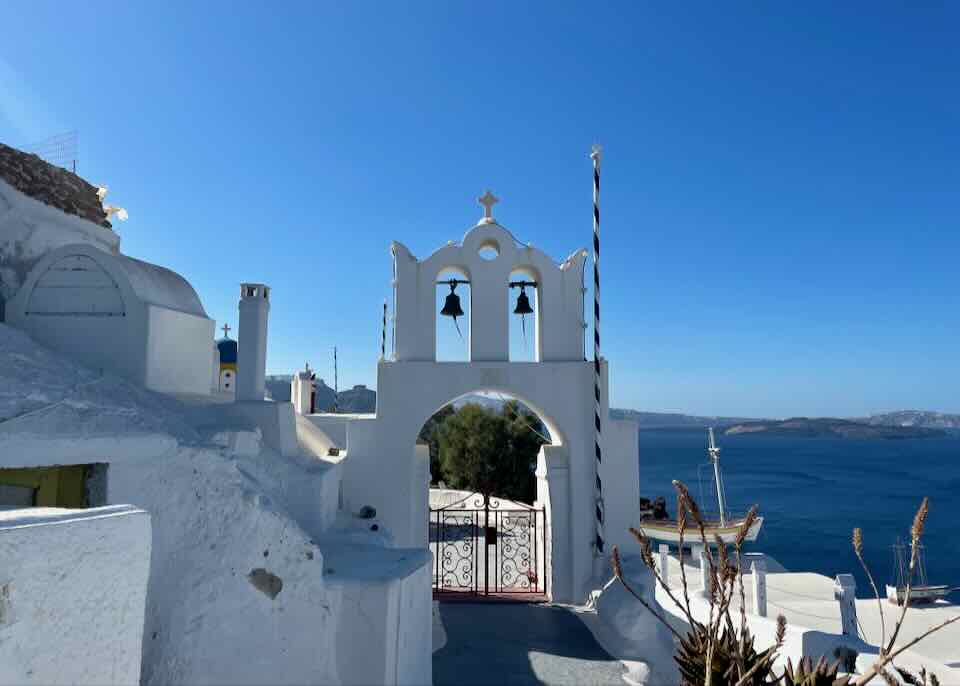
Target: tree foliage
480,449
430,436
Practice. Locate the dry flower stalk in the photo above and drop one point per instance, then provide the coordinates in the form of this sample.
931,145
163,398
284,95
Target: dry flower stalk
704,639
858,549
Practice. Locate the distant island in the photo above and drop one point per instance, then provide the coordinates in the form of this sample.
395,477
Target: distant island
802,427
674,420
900,424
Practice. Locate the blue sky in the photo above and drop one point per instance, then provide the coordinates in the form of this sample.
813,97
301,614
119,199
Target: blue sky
780,181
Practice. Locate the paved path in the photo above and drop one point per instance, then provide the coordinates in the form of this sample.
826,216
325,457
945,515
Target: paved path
517,644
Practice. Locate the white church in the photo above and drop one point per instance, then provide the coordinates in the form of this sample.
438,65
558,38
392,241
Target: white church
159,528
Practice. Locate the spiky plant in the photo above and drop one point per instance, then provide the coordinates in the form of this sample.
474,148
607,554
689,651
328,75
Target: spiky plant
809,674
714,653
732,657
924,678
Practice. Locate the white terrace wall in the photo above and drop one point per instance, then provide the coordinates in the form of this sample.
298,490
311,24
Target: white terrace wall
73,586
237,592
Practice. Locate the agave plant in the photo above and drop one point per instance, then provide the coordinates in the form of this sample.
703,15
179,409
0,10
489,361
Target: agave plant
716,654
808,674
732,657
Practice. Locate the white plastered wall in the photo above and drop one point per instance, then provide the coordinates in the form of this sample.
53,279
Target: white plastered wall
559,316
81,301
29,229
174,339
73,586
381,452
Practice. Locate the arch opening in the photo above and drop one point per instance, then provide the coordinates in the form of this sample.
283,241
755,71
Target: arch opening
487,529
492,427
523,329
453,333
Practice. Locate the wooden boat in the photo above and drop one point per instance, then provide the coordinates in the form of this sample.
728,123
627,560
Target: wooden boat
666,530
726,527
920,592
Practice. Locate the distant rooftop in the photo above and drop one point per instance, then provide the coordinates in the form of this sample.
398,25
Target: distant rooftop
51,185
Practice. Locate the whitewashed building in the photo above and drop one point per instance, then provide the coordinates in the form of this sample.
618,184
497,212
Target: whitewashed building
111,311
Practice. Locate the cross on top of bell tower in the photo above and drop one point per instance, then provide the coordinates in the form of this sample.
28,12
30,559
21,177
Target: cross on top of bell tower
488,200
226,328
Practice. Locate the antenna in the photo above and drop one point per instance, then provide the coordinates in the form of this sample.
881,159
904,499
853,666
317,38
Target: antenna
336,383
60,150
714,453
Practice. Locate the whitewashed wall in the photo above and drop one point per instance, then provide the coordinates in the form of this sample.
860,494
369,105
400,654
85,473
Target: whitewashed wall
174,341
381,452
559,331
73,587
210,616
115,313
29,229
385,627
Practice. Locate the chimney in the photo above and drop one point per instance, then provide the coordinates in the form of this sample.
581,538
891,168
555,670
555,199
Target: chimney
252,341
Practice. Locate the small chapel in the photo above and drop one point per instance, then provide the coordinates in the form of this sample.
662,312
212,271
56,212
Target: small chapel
64,280
226,372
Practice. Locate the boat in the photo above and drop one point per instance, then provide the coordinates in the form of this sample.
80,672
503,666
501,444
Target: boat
922,592
726,527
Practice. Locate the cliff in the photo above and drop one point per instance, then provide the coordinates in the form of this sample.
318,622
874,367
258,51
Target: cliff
802,427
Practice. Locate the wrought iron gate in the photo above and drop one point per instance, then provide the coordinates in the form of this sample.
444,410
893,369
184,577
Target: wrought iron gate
484,546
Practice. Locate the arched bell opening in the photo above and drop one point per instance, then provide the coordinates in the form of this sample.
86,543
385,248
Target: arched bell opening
453,306
523,308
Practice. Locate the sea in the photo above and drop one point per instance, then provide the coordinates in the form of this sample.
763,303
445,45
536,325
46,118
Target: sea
812,492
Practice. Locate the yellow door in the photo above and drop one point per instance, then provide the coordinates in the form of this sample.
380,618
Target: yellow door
50,486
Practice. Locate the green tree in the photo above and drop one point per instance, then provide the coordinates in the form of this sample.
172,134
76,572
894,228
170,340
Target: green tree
491,452
430,436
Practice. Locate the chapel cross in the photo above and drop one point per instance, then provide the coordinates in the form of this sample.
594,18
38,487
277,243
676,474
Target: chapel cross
226,328
488,200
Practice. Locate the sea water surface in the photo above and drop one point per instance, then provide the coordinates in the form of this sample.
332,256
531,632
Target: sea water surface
813,491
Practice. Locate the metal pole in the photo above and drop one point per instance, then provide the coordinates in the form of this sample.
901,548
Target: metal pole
486,549
383,332
715,458
595,156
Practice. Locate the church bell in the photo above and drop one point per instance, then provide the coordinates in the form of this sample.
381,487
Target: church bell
523,304
451,306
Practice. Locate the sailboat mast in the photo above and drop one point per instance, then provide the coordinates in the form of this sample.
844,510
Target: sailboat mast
714,453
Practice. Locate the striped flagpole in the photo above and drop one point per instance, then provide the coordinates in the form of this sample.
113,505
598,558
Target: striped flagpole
595,156
383,332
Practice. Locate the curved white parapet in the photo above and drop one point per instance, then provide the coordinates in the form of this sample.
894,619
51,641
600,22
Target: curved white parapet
73,588
558,320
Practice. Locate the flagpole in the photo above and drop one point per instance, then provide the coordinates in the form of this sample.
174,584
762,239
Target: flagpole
598,406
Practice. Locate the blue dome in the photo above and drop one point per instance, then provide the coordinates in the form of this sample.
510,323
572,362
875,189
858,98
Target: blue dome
228,350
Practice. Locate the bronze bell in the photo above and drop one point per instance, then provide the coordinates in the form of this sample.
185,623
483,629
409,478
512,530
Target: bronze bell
523,304
451,307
